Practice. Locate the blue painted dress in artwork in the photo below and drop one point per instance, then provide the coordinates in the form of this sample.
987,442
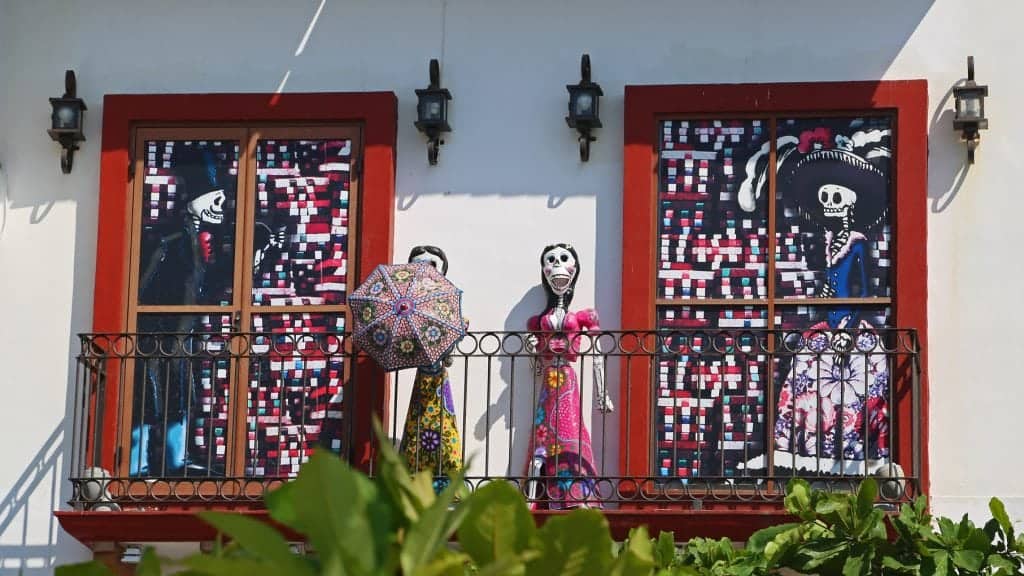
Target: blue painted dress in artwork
833,408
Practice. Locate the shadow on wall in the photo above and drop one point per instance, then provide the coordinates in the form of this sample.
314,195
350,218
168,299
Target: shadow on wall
516,402
522,381
947,155
38,486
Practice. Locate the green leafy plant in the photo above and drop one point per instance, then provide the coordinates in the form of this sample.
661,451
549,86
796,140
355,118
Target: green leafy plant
397,524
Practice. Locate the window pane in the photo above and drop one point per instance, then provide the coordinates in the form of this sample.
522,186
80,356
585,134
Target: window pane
710,398
832,404
713,235
181,397
833,237
187,251
295,391
301,235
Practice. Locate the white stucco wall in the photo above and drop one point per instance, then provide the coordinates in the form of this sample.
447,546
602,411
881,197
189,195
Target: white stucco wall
509,180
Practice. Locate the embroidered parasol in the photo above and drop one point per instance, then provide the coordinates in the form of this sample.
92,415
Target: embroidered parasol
406,315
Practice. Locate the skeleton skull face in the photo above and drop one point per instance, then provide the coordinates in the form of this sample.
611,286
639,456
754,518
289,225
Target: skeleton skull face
208,208
428,258
559,269
836,201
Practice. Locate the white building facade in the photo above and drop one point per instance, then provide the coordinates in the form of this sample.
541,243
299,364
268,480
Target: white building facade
509,181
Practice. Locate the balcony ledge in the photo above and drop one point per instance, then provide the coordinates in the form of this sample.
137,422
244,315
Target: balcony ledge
182,525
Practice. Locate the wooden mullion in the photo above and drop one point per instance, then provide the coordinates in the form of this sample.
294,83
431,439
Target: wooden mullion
883,301
320,308
710,302
238,417
769,445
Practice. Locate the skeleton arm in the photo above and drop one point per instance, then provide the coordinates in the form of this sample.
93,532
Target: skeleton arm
588,319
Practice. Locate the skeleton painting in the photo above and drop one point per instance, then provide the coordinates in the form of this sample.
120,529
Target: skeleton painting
833,194
560,444
430,440
300,241
187,258
300,258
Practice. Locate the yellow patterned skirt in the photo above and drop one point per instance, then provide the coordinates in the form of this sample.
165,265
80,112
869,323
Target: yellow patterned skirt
431,439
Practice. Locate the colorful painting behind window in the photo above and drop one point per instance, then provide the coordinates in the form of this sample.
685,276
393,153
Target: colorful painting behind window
295,391
187,251
181,398
302,222
832,240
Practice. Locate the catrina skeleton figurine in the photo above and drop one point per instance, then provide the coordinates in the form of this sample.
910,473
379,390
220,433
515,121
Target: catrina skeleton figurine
431,439
560,443
832,408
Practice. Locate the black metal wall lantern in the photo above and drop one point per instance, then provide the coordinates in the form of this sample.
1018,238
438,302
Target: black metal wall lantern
584,114
970,110
432,111
66,121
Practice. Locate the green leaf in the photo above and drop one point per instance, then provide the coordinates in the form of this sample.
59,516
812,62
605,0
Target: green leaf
281,505
341,512
858,565
231,566
1002,565
258,539
149,565
941,563
636,557
798,499
407,494
978,540
947,530
760,539
446,564
431,532
498,524
91,568
511,566
899,567
968,559
578,543
1000,515
814,554
665,551
866,495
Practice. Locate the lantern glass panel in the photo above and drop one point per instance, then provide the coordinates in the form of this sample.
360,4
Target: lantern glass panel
584,105
432,108
972,106
65,116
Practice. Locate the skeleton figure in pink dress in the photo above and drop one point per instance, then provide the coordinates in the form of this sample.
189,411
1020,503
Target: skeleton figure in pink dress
560,443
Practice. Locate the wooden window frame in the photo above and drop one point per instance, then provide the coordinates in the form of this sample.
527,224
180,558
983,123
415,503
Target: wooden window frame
906,100
375,113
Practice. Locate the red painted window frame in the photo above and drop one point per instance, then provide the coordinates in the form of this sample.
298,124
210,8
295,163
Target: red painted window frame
644,105
375,112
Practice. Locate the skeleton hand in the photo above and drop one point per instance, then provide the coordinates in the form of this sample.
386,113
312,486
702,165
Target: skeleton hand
530,342
601,397
842,341
279,237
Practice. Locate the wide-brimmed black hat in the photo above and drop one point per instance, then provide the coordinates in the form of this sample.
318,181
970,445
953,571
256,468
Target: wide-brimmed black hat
197,172
869,179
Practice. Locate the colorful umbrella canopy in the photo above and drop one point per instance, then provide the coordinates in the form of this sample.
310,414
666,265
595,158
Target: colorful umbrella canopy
406,315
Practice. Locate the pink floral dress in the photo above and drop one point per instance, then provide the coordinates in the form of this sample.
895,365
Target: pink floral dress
559,437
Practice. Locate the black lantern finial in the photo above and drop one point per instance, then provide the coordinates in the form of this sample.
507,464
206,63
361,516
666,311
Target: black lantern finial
969,116
432,111
584,113
66,121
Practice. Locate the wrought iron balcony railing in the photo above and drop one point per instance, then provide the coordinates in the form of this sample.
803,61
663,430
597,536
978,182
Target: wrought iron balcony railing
701,418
